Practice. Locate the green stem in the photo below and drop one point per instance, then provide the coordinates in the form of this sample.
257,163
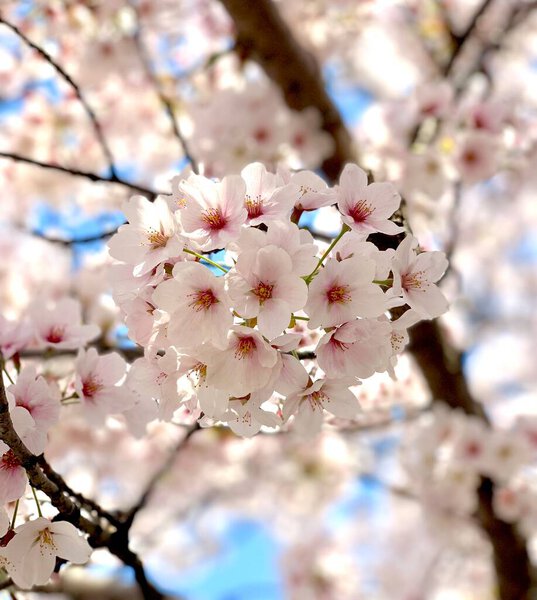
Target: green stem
343,231
36,502
300,318
388,282
207,260
15,515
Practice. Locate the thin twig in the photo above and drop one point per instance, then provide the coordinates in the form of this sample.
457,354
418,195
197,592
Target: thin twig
150,487
87,108
148,193
168,108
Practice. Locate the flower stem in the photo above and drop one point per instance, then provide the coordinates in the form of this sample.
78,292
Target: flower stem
386,282
14,518
36,502
343,231
207,260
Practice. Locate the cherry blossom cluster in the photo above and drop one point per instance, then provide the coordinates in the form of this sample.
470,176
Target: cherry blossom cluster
225,336
448,452
258,126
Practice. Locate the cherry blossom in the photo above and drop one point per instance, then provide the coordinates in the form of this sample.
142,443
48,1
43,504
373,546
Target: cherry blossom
150,237
35,547
261,188
414,277
308,404
60,325
266,287
96,384
13,477
343,291
213,213
198,305
366,208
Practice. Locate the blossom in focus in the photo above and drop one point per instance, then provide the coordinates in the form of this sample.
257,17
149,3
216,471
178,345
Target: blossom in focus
32,552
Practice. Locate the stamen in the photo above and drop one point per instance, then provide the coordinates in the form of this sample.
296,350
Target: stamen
245,346
213,218
360,211
263,291
203,300
338,294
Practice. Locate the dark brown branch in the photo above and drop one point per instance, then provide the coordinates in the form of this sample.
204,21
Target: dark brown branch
264,36
153,482
460,40
69,511
61,71
150,194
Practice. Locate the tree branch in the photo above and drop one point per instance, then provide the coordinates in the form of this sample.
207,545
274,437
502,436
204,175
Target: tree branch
61,71
148,193
168,108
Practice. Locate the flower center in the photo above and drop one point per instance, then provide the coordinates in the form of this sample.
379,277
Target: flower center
338,294
412,281
316,399
156,239
360,211
213,218
91,386
337,345
9,461
245,346
254,206
203,300
55,334
45,537
263,291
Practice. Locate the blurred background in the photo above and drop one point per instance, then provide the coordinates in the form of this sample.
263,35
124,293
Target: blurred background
102,99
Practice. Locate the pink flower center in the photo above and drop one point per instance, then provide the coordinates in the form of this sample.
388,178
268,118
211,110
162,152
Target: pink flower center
157,239
254,206
360,211
8,462
91,386
337,345
263,291
214,219
261,135
203,300
412,281
472,449
55,334
316,399
338,294
245,346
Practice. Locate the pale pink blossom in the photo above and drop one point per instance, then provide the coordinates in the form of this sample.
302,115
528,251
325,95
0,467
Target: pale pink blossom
245,417
198,306
35,547
414,277
14,336
13,477
213,213
265,286
150,236
298,243
477,157
366,208
356,349
259,199
244,366
305,190
97,380
308,405
342,291
60,325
